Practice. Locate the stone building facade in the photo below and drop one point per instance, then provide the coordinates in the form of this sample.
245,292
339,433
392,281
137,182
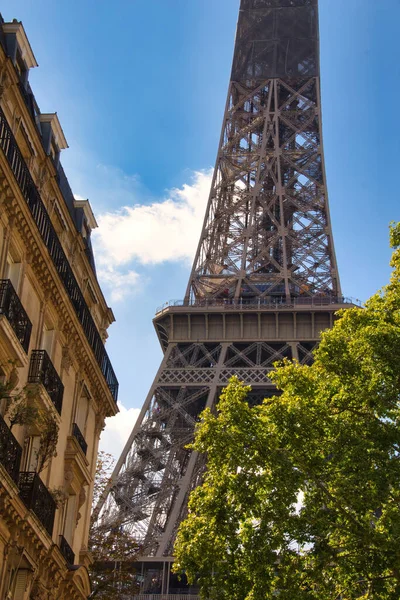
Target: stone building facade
56,381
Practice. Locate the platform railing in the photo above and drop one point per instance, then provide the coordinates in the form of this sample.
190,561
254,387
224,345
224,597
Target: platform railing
11,307
49,236
254,303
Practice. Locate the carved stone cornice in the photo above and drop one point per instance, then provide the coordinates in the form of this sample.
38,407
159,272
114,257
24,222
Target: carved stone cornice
52,577
41,267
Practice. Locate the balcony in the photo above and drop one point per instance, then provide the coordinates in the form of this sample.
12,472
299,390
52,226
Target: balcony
50,239
10,451
76,432
75,460
37,498
66,551
11,307
42,371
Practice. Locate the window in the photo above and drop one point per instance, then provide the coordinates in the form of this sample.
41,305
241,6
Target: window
13,272
19,583
54,151
48,340
20,67
82,409
32,454
24,141
70,518
59,221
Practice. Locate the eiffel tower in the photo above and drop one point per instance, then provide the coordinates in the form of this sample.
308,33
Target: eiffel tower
264,282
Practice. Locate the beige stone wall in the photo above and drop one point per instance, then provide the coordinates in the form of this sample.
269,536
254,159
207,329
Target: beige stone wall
33,561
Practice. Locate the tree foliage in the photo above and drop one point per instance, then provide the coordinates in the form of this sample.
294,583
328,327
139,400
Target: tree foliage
301,496
21,409
48,428
112,572
19,406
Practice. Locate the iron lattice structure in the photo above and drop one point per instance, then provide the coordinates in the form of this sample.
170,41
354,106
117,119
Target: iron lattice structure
264,282
267,227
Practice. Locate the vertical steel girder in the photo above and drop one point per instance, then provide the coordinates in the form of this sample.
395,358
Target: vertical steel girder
157,471
266,235
267,229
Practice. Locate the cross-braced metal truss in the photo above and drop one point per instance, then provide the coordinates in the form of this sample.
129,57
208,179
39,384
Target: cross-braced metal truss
267,230
266,243
146,494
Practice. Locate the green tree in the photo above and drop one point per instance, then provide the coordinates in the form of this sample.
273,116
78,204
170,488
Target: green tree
301,496
19,405
49,428
112,573
21,409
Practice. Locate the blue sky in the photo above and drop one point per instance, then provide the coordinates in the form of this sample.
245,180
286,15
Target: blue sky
140,87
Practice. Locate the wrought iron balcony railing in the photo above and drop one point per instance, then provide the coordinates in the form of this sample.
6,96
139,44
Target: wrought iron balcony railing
41,217
66,551
76,432
41,370
10,451
11,307
37,498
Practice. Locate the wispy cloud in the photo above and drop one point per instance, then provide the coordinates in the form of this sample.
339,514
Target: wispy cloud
118,283
136,234
117,430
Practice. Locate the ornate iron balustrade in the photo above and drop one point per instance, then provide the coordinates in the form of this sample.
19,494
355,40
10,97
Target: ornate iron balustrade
41,217
66,551
10,451
76,432
37,498
41,370
11,307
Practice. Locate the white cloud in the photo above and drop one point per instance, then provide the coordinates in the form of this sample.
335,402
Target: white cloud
299,503
118,283
117,430
105,185
165,230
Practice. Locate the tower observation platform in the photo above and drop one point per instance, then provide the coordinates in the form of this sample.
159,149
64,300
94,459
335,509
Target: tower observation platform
263,285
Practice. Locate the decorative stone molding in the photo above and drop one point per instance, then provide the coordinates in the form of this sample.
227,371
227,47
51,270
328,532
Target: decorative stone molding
49,572
40,267
5,81
81,497
66,360
99,424
68,476
43,177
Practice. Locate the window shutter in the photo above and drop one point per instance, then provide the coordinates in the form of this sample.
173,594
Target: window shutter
21,581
